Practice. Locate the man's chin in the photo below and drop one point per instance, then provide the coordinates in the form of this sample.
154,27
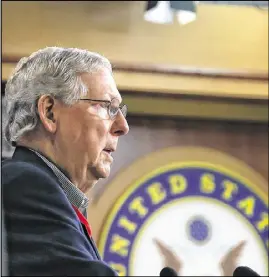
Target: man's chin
103,172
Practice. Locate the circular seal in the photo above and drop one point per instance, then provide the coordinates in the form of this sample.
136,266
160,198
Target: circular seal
195,217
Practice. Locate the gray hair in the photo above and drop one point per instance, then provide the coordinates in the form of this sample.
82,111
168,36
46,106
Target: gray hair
53,71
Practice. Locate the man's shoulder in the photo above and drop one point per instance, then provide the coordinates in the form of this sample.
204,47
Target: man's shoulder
21,175
13,169
25,181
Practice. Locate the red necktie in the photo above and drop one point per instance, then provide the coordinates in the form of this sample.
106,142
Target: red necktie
83,220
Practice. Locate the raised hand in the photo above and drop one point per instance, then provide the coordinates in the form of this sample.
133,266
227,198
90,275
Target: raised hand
229,261
170,259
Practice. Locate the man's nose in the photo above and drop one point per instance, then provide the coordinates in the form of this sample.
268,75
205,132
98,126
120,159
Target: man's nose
120,125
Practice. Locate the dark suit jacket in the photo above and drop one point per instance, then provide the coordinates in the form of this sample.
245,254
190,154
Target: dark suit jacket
44,234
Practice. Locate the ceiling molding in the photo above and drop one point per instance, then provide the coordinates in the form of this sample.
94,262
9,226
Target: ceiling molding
175,70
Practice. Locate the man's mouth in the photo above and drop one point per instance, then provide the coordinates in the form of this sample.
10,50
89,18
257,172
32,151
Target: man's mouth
109,150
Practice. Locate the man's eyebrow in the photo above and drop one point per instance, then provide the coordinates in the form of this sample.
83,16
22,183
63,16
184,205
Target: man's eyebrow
111,96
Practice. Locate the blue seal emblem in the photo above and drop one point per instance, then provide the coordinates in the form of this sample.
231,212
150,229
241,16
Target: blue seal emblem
199,230
187,214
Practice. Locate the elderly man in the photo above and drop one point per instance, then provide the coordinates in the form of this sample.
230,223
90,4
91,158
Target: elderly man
65,116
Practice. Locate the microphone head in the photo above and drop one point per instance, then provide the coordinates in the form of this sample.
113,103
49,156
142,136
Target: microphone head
168,271
244,271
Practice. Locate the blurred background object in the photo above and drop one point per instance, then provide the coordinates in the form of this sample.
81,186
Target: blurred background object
163,12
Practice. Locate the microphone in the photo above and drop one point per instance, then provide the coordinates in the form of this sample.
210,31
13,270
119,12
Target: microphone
244,271
168,271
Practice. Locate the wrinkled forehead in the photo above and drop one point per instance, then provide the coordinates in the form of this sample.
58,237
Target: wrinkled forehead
101,85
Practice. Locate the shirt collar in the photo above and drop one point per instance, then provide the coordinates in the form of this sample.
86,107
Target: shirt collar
75,196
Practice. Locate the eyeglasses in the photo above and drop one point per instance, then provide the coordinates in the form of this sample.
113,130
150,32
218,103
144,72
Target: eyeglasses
112,106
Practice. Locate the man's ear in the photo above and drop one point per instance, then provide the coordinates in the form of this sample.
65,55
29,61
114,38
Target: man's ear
47,111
